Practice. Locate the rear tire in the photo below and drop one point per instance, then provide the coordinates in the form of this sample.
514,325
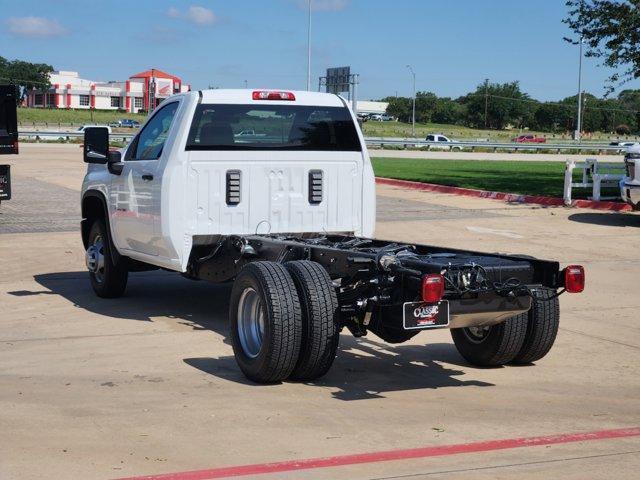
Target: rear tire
265,321
542,326
108,279
320,333
491,346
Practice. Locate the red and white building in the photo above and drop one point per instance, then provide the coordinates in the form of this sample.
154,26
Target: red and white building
137,93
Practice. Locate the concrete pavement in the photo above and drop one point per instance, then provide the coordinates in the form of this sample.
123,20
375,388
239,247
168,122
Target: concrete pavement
147,384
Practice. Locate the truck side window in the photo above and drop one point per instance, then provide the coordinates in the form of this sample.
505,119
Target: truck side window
150,142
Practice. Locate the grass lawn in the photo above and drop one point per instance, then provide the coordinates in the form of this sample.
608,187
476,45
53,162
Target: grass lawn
41,116
530,178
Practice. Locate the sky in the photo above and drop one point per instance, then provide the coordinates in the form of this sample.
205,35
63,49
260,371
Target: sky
452,45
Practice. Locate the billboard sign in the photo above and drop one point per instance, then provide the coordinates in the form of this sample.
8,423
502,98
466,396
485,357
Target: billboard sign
164,87
338,79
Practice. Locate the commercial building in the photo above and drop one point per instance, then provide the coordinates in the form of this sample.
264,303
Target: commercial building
137,93
366,106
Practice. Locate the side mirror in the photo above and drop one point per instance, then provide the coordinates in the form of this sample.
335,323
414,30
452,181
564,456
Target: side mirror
96,145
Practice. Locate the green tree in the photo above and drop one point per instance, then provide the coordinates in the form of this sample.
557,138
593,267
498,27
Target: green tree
611,31
552,117
503,103
449,111
25,75
399,107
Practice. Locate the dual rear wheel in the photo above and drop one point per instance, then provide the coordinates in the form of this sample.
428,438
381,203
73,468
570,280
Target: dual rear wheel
522,339
283,321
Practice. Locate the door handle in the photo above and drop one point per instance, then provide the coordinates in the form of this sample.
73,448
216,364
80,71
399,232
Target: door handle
147,177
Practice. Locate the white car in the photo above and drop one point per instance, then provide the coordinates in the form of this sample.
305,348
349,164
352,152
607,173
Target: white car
441,143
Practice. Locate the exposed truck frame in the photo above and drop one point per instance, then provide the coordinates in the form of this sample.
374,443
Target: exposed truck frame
294,291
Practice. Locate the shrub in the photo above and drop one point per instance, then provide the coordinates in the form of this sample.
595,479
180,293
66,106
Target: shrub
623,129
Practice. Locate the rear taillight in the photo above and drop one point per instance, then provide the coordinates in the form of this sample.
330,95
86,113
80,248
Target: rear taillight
432,288
273,95
574,278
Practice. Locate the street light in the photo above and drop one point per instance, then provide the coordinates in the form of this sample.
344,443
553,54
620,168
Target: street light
579,120
413,117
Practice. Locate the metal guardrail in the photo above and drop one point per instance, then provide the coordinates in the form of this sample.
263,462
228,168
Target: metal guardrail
383,142
54,135
558,147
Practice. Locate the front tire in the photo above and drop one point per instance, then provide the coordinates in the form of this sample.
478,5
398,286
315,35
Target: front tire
494,345
320,333
108,279
265,322
542,326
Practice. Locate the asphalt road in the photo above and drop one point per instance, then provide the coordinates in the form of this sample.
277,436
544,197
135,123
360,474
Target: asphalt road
147,384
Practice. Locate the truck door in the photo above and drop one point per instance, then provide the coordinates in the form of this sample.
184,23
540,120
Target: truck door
135,193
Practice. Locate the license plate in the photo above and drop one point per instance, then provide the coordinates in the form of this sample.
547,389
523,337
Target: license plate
420,315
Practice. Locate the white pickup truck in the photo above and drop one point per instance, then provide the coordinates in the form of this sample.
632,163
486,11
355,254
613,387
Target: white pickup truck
287,214
630,184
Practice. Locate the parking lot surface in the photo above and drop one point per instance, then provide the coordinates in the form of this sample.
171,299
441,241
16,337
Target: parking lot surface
147,384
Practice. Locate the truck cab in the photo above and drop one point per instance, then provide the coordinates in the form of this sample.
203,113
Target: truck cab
192,171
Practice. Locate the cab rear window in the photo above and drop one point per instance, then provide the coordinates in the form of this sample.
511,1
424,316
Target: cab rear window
272,127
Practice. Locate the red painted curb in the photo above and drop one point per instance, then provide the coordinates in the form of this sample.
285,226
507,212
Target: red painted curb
507,197
385,456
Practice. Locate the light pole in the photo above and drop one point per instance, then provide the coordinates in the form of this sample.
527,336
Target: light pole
309,47
413,116
579,120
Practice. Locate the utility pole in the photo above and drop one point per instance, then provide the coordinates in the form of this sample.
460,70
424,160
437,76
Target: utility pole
486,102
579,121
413,116
245,84
309,47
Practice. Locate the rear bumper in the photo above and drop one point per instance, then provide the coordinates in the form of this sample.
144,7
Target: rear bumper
486,310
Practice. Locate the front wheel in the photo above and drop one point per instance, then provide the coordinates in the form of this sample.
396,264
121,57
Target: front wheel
494,345
108,279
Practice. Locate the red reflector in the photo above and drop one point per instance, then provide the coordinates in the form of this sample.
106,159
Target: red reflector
267,95
574,278
432,288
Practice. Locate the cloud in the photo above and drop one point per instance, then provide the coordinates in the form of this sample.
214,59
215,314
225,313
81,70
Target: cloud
35,27
324,5
195,14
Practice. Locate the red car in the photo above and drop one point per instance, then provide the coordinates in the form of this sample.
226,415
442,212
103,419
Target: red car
528,139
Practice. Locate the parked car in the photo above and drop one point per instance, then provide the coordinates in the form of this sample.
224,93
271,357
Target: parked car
84,127
528,139
125,123
186,195
382,117
443,143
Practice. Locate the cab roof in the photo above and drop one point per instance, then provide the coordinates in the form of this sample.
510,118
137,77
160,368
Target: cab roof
245,96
